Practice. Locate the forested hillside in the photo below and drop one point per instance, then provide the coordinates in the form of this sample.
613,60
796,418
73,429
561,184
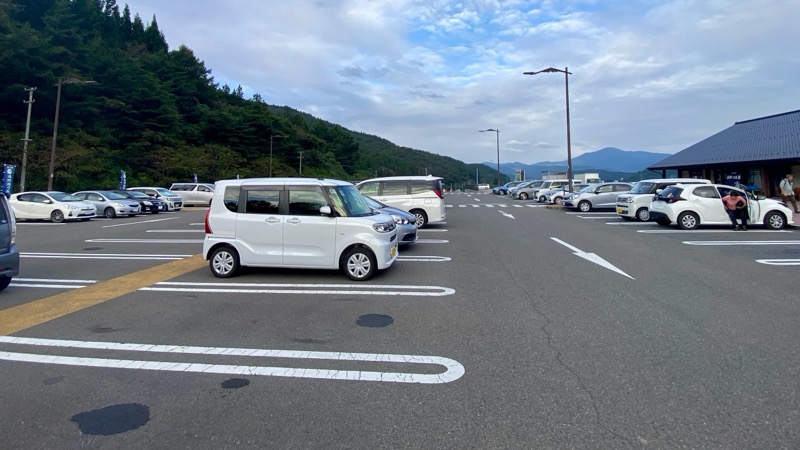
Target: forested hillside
130,103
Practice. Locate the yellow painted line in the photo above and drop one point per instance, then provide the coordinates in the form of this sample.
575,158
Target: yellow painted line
44,310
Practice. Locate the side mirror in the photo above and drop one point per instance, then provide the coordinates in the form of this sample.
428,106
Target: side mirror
326,211
658,191
761,197
48,201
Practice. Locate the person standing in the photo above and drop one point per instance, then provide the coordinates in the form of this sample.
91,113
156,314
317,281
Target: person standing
787,191
736,207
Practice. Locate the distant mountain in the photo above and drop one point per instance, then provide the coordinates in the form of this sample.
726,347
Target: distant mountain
610,160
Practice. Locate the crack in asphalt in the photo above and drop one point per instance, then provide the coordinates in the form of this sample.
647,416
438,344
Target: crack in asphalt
560,360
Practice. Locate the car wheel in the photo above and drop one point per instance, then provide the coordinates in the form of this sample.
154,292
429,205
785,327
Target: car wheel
359,264
224,262
774,220
663,222
523,196
643,214
4,282
688,221
422,218
57,216
558,200
110,213
542,199
585,206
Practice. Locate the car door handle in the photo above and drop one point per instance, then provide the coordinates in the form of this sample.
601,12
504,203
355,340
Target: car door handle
293,220
273,220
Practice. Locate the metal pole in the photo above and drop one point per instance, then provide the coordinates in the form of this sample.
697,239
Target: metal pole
270,155
569,143
26,140
301,163
498,157
55,136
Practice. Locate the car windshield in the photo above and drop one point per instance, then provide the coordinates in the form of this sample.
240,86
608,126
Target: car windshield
349,202
137,194
644,187
165,192
588,188
114,196
670,192
374,204
62,197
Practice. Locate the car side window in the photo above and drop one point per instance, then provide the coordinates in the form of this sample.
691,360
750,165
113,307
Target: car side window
421,187
231,198
39,198
621,188
306,202
395,188
605,189
262,201
94,197
370,189
706,192
25,197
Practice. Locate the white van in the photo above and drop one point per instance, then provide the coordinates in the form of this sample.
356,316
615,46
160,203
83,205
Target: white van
296,222
635,204
421,196
199,194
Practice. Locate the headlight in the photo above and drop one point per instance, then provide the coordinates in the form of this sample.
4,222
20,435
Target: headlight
400,220
72,207
118,205
384,227
147,203
629,200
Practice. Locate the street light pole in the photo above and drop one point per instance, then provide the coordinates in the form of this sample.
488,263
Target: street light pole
55,125
270,150
566,73
301,164
497,132
27,139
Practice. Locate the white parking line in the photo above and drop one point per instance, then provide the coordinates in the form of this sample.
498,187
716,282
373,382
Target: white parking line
724,243
453,369
592,257
198,224
122,256
432,230
448,206
147,241
432,241
137,223
306,289
596,212
424,258
174,231
675,231
39,223
632,223
50,283
594,217
779,262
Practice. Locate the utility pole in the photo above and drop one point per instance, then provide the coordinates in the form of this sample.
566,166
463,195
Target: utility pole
301,163
27,138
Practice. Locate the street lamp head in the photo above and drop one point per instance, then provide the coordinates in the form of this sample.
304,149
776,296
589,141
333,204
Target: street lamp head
76,81
548,70
488,129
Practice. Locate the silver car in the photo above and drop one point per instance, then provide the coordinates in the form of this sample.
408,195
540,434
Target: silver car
556,196
194,193
110,204
174,201
598,195
525,190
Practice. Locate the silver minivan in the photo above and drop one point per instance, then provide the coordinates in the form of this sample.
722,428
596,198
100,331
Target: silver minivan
305,223
194,194
598,195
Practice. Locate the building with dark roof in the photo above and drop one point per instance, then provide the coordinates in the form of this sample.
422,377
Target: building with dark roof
756,152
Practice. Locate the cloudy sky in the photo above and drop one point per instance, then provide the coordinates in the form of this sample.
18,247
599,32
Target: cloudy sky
428,74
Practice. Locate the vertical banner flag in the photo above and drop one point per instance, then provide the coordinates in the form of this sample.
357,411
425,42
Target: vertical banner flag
8,178
194,179
122,180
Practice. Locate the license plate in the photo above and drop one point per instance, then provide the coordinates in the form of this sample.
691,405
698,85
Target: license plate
394,251
621,211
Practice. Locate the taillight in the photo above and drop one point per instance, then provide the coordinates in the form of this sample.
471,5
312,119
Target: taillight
438,193
207,226
673,200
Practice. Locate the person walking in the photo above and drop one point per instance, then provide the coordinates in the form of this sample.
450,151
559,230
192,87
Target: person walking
787,191
736,207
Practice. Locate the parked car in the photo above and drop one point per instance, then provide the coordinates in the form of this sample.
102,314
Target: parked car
635,204
484,187
146,203
421,196
174,201
556,196
194,193
110,204
503,190
9,254
296,222
598,196
54,206
405,221
690,206
525,190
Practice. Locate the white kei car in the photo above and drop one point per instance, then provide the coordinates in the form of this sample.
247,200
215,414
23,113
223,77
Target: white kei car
54,206
689,206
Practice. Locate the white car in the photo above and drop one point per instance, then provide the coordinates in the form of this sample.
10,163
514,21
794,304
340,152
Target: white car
299,223
635,204
689,206
421,196
54,206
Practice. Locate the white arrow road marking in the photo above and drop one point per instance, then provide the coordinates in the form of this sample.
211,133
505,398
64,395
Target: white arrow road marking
506,214
675,231
137,223
779,262
453,369
721,243
591,257
477,199
424,258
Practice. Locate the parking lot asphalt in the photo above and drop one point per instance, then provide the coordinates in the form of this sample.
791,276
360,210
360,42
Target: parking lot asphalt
509,326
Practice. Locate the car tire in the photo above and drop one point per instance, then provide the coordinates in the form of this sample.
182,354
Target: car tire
110,213
57,216
584,206
558,200
774,220
523,196
688,221
663,222
422,218
4,282
542,199
359,264
224,262
643,214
